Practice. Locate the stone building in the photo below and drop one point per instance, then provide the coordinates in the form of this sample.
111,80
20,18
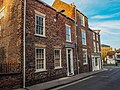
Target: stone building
39,43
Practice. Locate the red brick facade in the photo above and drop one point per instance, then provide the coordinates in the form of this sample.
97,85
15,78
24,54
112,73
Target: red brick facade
55,38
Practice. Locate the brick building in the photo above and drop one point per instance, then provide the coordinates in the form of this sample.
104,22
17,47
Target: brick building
11,29
39,43
96,53
85,41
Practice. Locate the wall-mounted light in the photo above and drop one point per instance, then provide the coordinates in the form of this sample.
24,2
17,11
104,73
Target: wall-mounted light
56,16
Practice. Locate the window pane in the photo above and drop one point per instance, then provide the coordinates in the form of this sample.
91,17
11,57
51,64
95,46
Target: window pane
37,20
37,29
68,38
40,58
57,58
83,37
40,25
82,20
67,30
84,56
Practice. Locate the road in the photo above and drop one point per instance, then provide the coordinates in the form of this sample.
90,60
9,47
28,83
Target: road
107,80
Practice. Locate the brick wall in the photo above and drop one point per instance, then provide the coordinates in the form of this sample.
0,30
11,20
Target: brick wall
55,37
11,40
88,46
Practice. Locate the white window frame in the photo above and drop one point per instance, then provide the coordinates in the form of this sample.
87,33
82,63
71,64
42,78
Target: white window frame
97,37
98,49
60,59
2,12
93,35
84,63
69,32
83,37
44,69
82,20
42,16
94,46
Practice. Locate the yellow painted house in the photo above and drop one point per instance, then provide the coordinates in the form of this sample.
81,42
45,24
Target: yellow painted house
104,50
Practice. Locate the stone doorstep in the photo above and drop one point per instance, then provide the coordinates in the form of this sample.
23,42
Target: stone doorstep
60,82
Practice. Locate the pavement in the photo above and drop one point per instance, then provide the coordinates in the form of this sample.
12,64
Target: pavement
107,80
62,81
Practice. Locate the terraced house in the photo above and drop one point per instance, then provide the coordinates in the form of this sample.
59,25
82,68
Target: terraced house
39,43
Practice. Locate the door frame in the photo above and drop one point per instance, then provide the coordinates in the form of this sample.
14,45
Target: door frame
72,62
94,67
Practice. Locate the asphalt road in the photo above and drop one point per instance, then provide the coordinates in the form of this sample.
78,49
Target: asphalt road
107,80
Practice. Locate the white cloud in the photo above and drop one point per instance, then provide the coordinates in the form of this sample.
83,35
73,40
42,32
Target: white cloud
105,16
108,27
50,2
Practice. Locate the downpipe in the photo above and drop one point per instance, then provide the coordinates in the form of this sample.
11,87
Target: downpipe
24,32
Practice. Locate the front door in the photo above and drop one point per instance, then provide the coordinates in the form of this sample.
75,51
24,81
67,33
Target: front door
70,70
95,63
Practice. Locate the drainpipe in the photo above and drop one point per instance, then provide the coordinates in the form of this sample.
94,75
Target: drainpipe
76,39
24,32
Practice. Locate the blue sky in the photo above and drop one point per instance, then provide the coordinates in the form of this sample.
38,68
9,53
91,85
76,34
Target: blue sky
103,15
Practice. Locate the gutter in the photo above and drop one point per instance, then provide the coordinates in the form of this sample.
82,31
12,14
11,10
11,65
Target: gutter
24,32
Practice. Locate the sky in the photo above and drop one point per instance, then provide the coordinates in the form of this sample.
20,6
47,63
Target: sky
103,15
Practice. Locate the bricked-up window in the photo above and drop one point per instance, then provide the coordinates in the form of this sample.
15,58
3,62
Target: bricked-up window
40,25
40,59
68,33
57,58
85,60
83,37
82,20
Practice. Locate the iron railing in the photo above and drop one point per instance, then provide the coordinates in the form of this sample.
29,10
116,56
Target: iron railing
9,68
